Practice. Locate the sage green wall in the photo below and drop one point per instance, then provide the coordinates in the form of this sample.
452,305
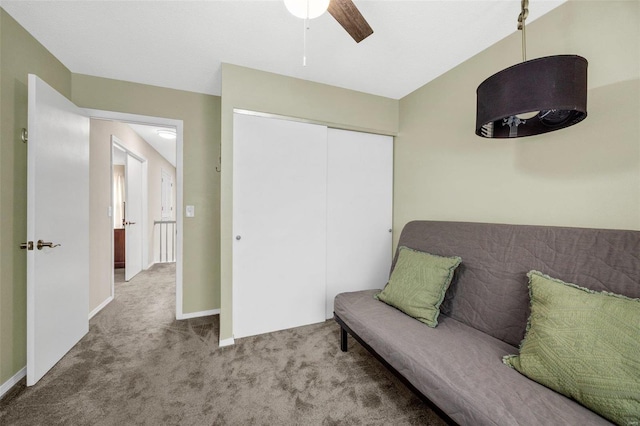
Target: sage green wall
587,175
249,89
201,183
20,54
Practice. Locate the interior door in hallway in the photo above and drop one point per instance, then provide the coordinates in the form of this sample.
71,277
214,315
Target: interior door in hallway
133,221
57,246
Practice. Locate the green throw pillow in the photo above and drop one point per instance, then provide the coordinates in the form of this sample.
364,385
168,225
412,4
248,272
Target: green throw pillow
585,345
418,283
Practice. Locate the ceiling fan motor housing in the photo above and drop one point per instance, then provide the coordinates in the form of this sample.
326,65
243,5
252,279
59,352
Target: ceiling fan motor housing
306,9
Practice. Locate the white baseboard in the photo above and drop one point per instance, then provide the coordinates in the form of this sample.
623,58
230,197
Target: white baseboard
100,307
159,262
6,386
199,314
226,342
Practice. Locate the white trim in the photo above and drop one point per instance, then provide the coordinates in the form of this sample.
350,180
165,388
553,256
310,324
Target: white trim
179,218
199,314
178,124
310,121
111,225
226,342
100,306
157,263
145,213
6,386
161,263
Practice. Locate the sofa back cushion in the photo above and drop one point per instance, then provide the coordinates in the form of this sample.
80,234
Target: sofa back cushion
489,290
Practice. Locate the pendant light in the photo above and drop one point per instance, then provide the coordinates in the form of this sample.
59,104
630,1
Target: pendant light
536,96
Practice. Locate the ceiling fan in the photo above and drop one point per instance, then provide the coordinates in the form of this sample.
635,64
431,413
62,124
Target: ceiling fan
343,11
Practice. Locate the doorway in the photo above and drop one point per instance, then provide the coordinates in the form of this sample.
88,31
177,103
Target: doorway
117,211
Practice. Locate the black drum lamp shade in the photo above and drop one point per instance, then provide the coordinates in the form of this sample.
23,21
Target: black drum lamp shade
533,97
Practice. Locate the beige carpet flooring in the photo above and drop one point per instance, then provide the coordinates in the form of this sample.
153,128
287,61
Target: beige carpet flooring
139,366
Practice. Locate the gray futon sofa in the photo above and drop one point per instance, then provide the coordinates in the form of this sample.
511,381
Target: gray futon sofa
457,366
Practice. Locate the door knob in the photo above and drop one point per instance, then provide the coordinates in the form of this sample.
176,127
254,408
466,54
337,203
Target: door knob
129,223
238,237
42,244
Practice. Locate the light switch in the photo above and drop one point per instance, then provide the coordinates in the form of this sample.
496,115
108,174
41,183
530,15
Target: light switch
191,211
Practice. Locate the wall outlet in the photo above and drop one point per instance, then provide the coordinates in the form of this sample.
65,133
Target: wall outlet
190,211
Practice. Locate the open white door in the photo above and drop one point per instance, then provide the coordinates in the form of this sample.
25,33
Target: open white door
133,218
57,228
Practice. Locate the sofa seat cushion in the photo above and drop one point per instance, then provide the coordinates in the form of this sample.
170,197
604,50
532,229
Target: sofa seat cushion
457,367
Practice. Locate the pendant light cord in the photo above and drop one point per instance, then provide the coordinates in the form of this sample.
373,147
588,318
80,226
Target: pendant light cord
524,42
524,13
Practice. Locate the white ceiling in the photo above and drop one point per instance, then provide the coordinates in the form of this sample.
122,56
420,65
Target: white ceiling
165,147
180,44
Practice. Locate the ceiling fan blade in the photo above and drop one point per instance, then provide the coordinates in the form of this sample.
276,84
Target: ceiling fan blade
348,15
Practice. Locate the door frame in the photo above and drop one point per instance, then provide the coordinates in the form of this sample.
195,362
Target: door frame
179,126
118,144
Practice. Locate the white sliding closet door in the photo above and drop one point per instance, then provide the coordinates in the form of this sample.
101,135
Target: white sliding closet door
279,224
359,212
